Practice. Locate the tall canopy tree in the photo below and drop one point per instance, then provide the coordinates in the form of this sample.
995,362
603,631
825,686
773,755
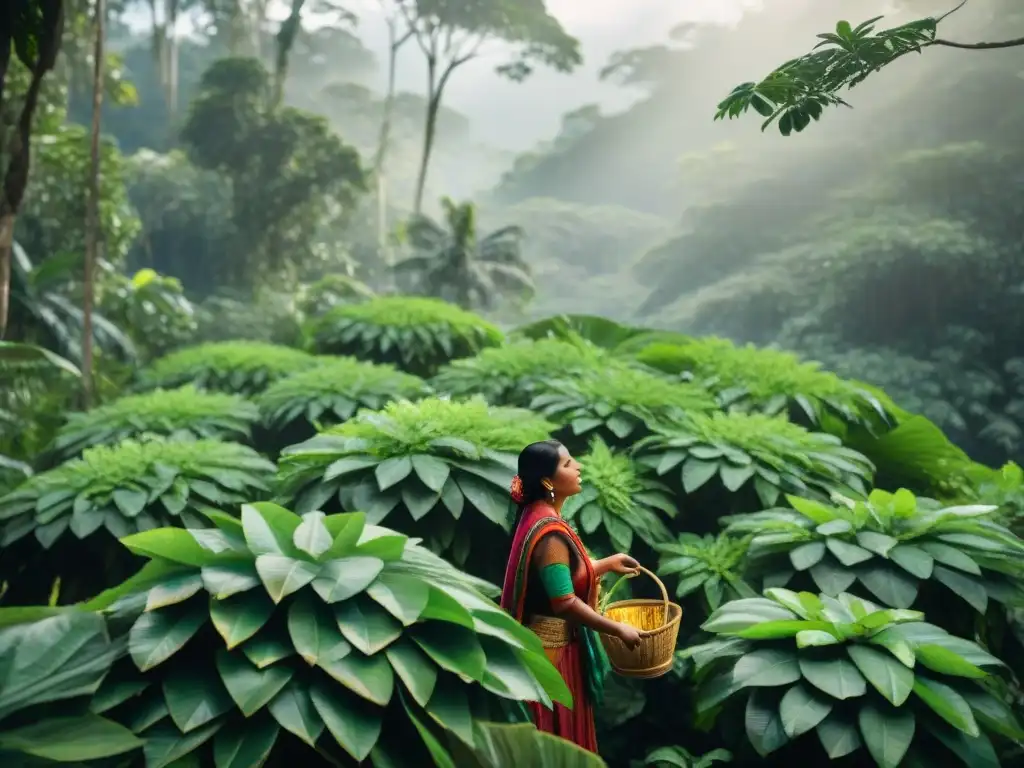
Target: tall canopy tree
451,33
452,263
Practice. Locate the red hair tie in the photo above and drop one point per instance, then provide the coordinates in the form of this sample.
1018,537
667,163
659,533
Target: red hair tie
516,489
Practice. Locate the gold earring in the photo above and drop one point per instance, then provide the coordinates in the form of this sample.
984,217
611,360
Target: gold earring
549,488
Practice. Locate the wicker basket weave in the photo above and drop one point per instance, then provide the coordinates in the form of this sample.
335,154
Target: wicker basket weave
658,623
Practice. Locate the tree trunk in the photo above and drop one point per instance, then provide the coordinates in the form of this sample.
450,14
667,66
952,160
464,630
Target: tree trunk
19,157
285,40
92,224
379,164
429,126
171,46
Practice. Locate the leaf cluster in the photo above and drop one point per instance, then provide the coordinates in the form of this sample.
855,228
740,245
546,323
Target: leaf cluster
346,636
856,674
334,391
133,486
712,564
185,411
769,381
427,461
621,498
243,367
893,544
416,334
618,403
771,454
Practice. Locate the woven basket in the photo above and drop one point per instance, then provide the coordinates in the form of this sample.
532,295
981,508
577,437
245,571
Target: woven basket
658,623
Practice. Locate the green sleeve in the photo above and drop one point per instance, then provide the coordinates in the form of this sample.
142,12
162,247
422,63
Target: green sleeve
556,580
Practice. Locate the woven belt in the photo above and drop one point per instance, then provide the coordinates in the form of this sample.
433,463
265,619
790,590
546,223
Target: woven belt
553,633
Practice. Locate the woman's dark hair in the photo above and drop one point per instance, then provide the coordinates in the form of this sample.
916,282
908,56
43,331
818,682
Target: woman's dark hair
536,462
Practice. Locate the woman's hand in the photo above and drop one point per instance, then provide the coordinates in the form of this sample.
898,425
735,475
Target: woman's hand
622,563
628,635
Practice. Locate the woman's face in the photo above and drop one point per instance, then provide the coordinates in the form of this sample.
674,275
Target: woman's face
566,480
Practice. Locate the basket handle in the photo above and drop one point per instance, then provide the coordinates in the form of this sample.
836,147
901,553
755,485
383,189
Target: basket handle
661,586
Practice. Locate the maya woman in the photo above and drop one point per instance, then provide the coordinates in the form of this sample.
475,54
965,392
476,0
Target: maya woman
551,586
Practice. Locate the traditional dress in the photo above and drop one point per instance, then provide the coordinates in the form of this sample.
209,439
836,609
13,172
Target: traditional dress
574,650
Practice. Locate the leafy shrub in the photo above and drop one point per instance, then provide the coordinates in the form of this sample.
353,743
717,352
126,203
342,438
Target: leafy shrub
618,404
620,500
172,413
511,374
434,468
330,394
417,335
856,674
893,544
153,309
712,564
133,486
742,451
244,367
1003,488
328,292
271,630
678,757
770,381
53,659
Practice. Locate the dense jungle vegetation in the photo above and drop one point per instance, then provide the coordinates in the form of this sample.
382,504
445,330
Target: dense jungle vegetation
273,329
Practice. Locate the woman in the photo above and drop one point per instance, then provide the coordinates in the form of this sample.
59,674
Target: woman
551,586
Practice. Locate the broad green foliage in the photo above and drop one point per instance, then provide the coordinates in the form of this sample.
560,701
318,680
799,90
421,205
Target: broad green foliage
620,499
172,413
328,292
244,367
1003,488
521,744
417,335
894,545
326,629
769,454
769,381
152,308
599,331
434,468
798,91
617,403
712,564
52,658
678,757
858,675
333,391
511,374
133,486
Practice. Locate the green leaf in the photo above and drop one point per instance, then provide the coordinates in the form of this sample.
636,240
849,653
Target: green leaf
438,754
366,625
414,669
229,579
947,704
194,699
952,557
807,555
265,650
392,471
812,510
838,737
801,709
892,587
763,723
313,632
282,575
766,667
879,543
431,470
946,662
836,677
887,733
809,638
346,530
371,677
913,560
293,709
249,687
158,635
846,553
887,675
489,500
748,612
269,528
174,544
773,630
830,578
312,536
165,743
696,473
404,597
452,647
246,744
896,644
70,739
345,577
238,618
353,725
967,587
130,502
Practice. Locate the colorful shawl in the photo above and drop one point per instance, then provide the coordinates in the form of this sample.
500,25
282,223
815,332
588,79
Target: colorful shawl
537,520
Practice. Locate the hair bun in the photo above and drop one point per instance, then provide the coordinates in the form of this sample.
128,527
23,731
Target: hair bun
516,489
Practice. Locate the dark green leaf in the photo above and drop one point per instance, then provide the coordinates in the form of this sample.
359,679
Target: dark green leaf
249,687
293,709
763,722
887,733
887,675
836,677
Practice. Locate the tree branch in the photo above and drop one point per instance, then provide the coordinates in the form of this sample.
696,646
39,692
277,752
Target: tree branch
1015,43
